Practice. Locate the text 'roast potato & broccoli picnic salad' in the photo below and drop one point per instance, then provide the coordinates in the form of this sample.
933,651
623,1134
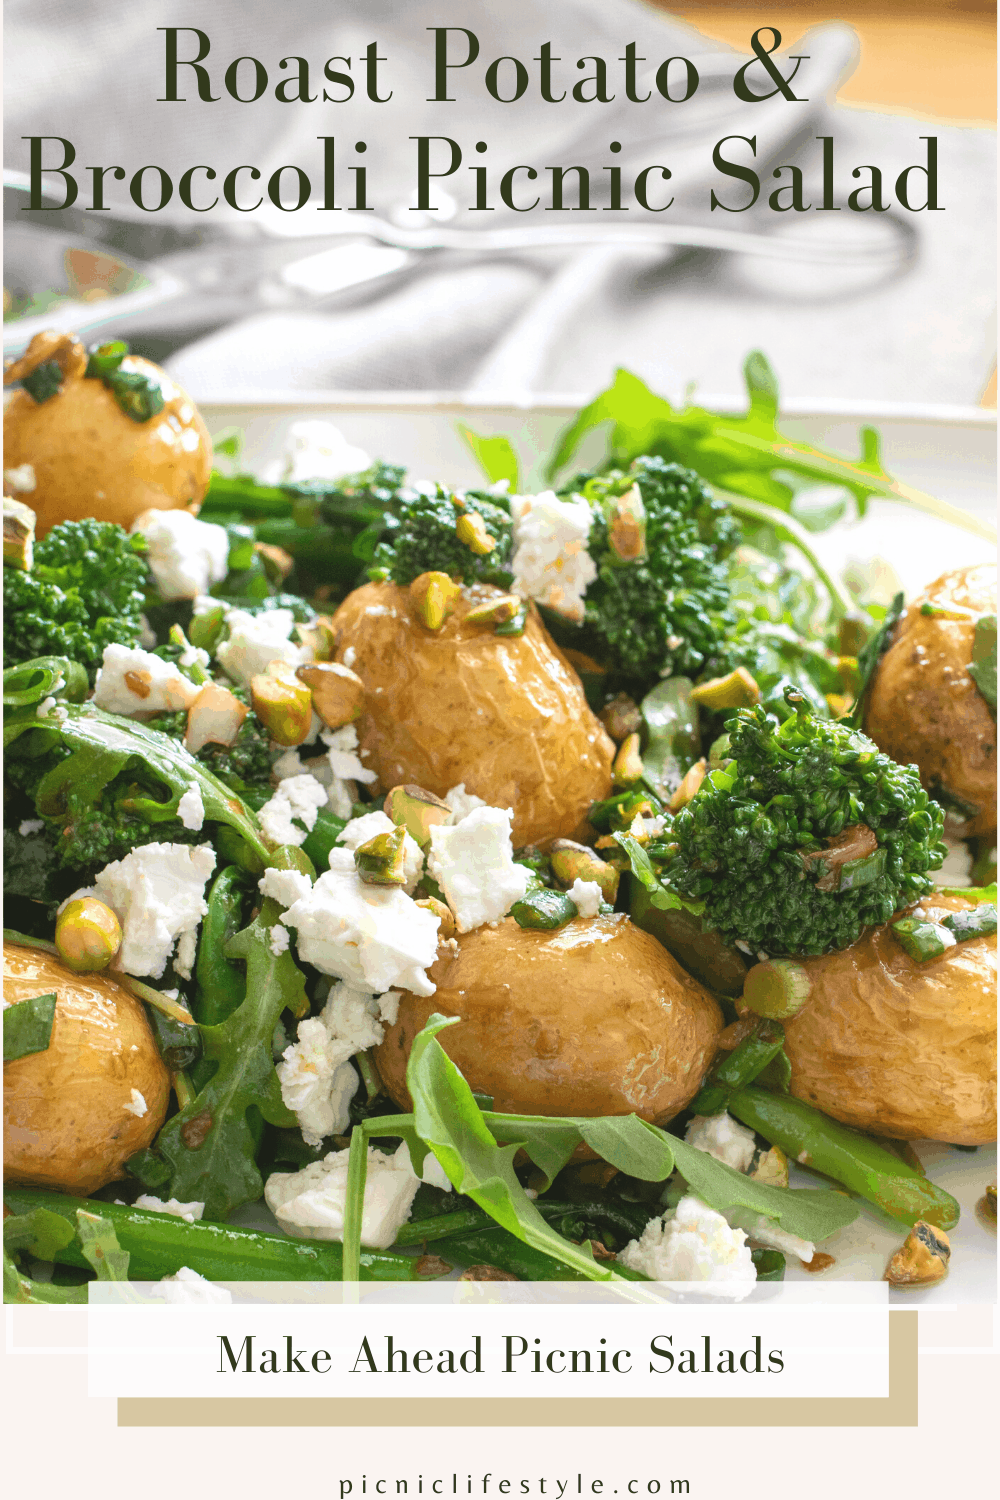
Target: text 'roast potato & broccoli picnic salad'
490,882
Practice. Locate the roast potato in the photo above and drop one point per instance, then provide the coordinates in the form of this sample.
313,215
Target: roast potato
89,458
592,1019
924,708
505,715
66,1117
897,1047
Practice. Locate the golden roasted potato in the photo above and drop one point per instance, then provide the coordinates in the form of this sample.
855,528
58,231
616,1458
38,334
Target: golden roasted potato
897,1047
504,714
89,458
592,1019
924,708
70,1116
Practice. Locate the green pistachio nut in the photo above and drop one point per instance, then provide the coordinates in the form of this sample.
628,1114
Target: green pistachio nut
446,920
417,811
380,861
576,862
736,690
627,766
88,935
18,534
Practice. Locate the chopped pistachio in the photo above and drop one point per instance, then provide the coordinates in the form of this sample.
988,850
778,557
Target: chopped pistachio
576,862
434,596
736,690
277,562
621,717
991,1198
772,1168
922,1258
338,694
470,528
417,811
447,928
18,534
845,860
689,786
495,611
839,704
627,766
776,989
380,861
282,703
627,526
88,935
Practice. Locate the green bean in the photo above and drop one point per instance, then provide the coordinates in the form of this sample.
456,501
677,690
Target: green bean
860,1163
466,1221
323,837
740,1067
159,1244
495,1247
220,986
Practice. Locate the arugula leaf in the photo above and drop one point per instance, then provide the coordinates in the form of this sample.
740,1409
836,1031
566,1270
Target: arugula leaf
20,1288
101,747
624,1141
41,1232
811,1214
29,682
983,666
100,1247
27,1026
496,456
211,1143
660,895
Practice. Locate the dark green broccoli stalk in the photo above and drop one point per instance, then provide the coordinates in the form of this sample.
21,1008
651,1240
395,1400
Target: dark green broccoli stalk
422,538
806,838
85,591
664,613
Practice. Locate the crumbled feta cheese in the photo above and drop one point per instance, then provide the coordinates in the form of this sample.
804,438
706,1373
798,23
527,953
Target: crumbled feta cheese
586,896
373,936
432,1173
696,1244
724,1138
284,886
157,894
462,802
368,826
317,1083
20,481
653,827
551,562
316,450
49,708
297,797
30,826
194,656
186,1211
136,1105
310,1203
766,1232
341,747
288,764
257,640
132,681
187,949
388,1007
186,555
352,1018
191,809
187,1286
473,863
280,941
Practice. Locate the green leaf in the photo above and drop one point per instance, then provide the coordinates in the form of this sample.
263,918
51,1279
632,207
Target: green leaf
27,1026
871,654
624,1141
660,895
496,456
983,666
18,1288
31,681
211,1143
812,1214
100,1246
41,1233
104,745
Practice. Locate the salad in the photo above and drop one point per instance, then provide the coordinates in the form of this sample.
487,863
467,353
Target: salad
494,882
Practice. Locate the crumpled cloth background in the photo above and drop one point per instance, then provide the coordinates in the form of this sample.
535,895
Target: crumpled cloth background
517,322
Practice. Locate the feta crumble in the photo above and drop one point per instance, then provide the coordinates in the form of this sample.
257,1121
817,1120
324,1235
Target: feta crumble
187,1286
695,1244
724,1138
189,1212
186,556
766,1232
550,561
317,1084
368,826
21,481
374,937
310,1203
280,940
191,808
297,797
586,896
137,1105
316,450
157,894
30,826
50,708
257,640
462,802
132,681
284,886
473,863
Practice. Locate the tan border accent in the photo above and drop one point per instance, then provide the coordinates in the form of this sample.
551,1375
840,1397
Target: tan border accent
898,1409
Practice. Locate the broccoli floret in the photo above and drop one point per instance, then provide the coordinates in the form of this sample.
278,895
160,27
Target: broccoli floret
85,591
809,836
422,539
665,613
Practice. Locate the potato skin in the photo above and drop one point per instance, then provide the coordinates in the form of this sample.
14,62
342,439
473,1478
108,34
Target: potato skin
505,715
593,1019
901,1048
90,459
924,708
65,1124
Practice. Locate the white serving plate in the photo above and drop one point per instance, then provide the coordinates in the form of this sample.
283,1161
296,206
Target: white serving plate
949,452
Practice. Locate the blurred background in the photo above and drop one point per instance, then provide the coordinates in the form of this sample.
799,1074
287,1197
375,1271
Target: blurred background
894,308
